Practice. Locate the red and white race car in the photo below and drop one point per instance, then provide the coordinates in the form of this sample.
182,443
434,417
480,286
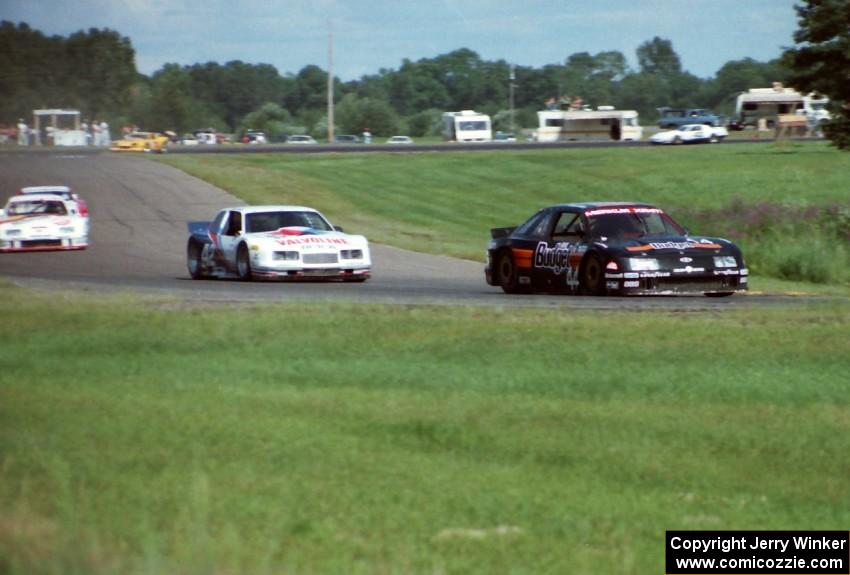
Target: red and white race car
275,242
35,221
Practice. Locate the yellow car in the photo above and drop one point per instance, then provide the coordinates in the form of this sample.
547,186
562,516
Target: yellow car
141,142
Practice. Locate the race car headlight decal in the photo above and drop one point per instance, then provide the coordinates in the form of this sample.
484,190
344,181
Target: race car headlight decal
287,256
13,232
351,254
67,229
643,264
725,262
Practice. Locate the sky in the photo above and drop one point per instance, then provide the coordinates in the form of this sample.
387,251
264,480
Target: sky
370,35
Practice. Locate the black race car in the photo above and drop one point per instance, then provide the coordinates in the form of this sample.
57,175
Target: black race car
611,248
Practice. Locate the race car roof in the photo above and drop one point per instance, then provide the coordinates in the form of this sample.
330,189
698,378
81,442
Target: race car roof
32,197
595,205
46,190
255,209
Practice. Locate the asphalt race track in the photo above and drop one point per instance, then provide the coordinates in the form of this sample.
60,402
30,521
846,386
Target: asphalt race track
139,209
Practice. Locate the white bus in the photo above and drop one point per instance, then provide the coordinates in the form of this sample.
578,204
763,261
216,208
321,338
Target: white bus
603,124
467,126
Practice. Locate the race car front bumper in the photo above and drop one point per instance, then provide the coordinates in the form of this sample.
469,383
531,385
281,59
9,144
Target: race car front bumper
312,273
670,283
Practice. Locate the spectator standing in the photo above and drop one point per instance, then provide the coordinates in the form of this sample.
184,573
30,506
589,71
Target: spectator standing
23,133
95,129
105,138
86,132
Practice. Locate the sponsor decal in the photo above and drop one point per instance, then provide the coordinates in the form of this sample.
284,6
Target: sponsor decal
312,241
299,236
631,284
612,285
630,210
687,245
563,258
686,260
687,270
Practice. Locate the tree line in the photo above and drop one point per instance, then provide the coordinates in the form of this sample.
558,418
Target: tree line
94,71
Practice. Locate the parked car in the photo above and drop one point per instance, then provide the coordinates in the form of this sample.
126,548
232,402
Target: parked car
42,222
301,139
254,137
504,137
611,248
690,134
346,139
672,118
141,142
405,140
275,242
188,140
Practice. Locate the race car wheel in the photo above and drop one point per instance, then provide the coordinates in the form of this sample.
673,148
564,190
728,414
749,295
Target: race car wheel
592,280
243,263
193,260
677,140
508,273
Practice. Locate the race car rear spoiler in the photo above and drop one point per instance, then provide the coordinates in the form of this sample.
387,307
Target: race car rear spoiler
199,230
497,233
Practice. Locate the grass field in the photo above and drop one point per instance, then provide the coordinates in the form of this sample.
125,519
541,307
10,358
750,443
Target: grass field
152,436
782,203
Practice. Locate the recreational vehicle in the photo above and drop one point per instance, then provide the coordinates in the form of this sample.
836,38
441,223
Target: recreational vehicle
467,126
603,124
764,105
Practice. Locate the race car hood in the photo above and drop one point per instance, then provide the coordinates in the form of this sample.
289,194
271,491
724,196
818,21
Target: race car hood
28,222
661,245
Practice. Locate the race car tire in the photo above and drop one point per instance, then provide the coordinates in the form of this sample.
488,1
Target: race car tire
718,294
193,260
677,140
243,263
508,273
592,280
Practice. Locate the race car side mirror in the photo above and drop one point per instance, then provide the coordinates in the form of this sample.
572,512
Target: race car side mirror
338,229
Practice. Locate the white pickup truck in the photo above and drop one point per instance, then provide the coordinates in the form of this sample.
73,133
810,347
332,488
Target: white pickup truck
691,134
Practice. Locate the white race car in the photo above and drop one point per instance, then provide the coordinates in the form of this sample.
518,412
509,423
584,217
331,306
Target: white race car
691,134
275,242
42,222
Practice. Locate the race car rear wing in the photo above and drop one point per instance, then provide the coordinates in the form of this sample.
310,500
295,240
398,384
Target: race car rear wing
199,230
497,233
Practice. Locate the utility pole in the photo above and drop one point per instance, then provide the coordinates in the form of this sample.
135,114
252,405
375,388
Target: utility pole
330,82
512,78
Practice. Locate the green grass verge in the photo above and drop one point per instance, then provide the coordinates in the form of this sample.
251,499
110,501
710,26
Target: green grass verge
784,203
149,436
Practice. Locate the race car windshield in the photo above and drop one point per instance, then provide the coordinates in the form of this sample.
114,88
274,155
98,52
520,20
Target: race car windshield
27,208
613,226
271,221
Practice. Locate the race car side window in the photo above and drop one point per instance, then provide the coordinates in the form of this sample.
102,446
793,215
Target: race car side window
216,225
568,228
234,224
537,227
